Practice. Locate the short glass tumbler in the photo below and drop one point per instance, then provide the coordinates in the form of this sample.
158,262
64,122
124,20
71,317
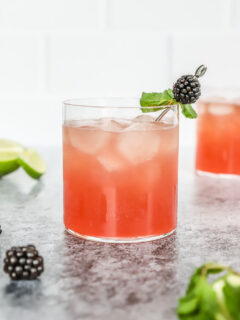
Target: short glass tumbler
218,137
120,170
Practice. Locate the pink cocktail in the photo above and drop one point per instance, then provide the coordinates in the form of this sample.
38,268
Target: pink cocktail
218,137
120,173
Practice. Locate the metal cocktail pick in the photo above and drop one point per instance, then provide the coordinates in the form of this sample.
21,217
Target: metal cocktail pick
159,118
200,71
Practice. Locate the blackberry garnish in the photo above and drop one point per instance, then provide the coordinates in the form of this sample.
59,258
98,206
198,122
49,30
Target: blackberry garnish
187,89
23,263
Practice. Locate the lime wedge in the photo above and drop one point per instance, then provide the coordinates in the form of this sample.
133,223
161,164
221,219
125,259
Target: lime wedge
32,163
9,153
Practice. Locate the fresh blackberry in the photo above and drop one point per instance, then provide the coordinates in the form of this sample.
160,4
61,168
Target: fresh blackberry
187,89
23,263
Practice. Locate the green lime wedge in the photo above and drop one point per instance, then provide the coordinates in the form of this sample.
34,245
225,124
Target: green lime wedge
32,163
9,153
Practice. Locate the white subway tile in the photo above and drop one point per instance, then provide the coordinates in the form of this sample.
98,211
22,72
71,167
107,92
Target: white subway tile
236,13
220,52
107,64
18,63
31,121
168,14
55,14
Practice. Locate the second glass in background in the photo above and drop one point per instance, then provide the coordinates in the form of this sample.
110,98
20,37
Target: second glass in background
218,135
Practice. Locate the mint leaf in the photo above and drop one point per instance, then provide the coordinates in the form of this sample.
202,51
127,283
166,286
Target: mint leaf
200,301
204,270
147,109
232,297
188,305
156,98
188,111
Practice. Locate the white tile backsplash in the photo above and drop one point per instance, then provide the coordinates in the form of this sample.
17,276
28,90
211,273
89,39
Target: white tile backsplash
49,14
18,63
168,15
108,64
50,50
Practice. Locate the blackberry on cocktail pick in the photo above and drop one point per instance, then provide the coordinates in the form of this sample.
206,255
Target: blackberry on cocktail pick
187,89
23,263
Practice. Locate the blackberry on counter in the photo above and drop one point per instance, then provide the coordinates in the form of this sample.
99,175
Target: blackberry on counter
23,263
187,89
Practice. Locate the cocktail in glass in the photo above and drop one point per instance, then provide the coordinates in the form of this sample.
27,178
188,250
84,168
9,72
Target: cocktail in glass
120,170
218,136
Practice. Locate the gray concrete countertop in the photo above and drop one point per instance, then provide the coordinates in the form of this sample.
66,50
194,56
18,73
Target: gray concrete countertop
88,280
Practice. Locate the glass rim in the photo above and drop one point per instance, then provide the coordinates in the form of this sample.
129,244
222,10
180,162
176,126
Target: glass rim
220,101
85,103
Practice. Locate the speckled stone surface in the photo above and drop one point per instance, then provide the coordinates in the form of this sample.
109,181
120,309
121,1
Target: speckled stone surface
88,280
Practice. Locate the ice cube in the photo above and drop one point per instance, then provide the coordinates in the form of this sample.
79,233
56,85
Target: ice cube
144,126
220,109
111,161
88,139
143,118
112,125
138,146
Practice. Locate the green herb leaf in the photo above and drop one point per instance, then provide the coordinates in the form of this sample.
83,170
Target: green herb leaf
201,301
156,98
188,305
231,293
188,111
147,109
204,270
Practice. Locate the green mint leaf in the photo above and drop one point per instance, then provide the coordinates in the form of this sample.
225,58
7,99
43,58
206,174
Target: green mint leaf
200,300
231,291
204,270
147,109
209,304
156,98
187,305
201,303
188,111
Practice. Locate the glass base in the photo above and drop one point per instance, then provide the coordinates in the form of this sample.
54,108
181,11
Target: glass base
120,240
217,175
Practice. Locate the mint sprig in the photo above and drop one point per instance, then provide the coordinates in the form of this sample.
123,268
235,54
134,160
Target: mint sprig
216,300
161,99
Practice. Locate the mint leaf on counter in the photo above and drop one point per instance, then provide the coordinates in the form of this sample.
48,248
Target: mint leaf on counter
216,300
200,301
162,99
231,291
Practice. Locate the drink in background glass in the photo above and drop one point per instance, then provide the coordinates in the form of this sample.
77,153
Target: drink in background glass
218,136
120,171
